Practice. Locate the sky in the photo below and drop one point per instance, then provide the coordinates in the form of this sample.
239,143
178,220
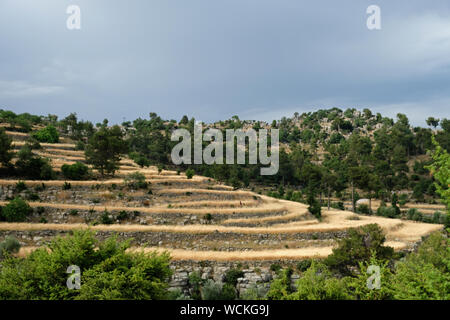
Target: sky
212,59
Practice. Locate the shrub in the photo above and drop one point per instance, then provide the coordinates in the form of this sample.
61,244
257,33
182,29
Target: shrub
80,145
33,166
73,212
136,180
40,210
255,292
48,134
190,173
8,246
76,171
388,212
338,205
109,272
303,265
358,246
232,276
414,214
123,215
425,274
16,210
280,288
363,208
314,206
33,197
195,282
317,283
275,267
105,218
20,186
212,290
67,186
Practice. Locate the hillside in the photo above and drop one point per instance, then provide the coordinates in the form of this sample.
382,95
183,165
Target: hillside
195,219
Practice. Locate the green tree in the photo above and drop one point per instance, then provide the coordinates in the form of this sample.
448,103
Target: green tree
357,247
108,271
6,148
48,134
425,274
105,148
318,283
440,169
16,210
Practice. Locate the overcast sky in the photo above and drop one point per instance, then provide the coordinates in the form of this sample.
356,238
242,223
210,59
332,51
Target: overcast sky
212,59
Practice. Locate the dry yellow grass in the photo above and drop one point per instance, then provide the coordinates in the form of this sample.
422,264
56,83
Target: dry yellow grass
207,191
275,208
254,255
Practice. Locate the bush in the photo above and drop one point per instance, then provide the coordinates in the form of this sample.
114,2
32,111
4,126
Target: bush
20,186
387,212
414,214
105,218
303,265
33,166
16,210
76,171
314,206
317,283
358,246
425,274
232,276
136,180
48,134
363,209
255,292
338,205
123,215
212,290
190,173
67,186
8,246
109,272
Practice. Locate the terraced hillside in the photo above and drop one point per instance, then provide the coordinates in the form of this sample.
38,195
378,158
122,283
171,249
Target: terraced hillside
195,219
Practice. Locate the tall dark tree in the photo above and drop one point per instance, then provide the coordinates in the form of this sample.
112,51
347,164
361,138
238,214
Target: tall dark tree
105,148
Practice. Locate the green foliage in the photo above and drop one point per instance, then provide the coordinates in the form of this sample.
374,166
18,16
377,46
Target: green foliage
48,134
105,148
105,218
232,275
303,265
107,271
387,212
440,169
358,288
212,290
255,292
363,208
357,247
280,288
8,246
33,166
20,186
195,282
426,273
190,173
136,180
318,283
314,206
6,148
17,210
76,171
